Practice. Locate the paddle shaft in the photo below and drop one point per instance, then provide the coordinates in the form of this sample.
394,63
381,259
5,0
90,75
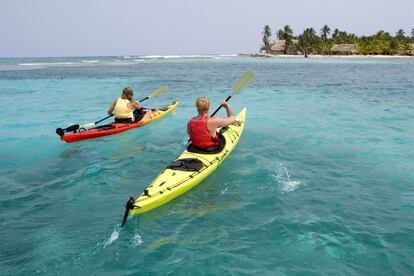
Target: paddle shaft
214,113
97,122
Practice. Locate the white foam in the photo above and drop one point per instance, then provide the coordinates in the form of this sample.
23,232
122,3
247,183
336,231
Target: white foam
89,61
152,57
114,236
231,55
291,185
136,240
30,64
187,56
283,179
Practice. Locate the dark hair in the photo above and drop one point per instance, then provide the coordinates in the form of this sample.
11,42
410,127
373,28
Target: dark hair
127,93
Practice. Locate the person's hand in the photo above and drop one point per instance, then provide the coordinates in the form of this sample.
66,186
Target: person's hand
224,104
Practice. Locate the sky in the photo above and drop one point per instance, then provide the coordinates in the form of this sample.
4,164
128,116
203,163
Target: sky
45,28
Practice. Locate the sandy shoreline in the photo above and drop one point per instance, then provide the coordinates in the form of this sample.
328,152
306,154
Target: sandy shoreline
325,56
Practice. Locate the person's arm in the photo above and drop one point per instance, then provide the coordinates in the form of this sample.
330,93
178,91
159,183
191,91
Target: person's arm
228,109
222,122
188,127
111,108
134,105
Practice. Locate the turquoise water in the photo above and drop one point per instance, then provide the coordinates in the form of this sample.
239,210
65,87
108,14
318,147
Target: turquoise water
322,180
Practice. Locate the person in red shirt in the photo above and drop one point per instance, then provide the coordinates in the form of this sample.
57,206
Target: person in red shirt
203,128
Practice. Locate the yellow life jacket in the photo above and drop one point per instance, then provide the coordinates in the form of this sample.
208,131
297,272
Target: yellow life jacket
121,110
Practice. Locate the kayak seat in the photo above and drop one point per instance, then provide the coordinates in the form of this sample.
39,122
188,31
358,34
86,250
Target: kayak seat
186,164
123,120
138,115
214,150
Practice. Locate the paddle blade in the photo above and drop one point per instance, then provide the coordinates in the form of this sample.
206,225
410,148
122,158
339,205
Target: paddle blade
60,131
72,128
129,206
158,92
243,82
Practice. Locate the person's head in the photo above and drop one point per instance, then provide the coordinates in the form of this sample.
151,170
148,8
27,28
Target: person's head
128,93
202,104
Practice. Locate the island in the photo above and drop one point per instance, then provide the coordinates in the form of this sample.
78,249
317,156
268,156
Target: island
336,43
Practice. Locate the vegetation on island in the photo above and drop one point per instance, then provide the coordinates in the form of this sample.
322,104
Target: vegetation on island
329,42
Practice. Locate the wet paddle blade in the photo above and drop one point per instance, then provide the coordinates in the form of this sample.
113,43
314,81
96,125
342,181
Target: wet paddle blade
158,92
243,82
72,128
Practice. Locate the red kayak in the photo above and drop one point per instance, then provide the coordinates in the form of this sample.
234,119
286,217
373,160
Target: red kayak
113,128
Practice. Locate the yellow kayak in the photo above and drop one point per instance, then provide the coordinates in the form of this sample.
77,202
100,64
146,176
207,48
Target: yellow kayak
189,169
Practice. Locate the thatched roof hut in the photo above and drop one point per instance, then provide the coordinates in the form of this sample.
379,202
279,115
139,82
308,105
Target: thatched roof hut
278,47
412,49
343,49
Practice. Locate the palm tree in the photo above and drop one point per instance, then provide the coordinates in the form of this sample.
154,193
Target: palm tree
288,36
343,37
325,31
307,40
280,34
312,31
267,33
400,34
335,33
285,34
380,33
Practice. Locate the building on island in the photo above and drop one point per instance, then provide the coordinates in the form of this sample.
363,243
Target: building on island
343,49
412,49
278,47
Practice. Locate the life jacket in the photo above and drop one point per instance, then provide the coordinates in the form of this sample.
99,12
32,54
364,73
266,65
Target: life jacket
199,134
121,109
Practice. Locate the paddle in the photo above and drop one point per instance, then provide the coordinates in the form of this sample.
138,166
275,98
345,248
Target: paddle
240,84
61,131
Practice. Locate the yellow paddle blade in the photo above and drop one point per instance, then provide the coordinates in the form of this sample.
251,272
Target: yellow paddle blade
243,82
157,92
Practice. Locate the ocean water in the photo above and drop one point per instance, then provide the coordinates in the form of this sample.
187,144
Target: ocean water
321,182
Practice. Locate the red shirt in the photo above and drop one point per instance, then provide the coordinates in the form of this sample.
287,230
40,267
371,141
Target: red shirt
199,134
